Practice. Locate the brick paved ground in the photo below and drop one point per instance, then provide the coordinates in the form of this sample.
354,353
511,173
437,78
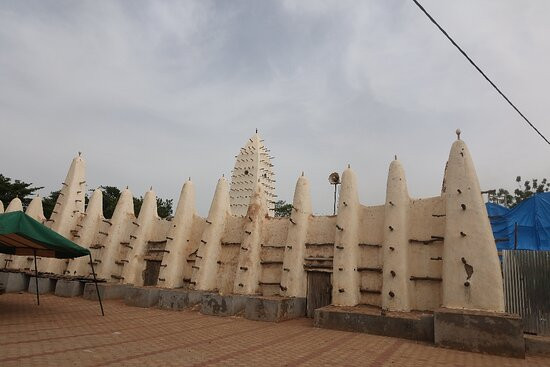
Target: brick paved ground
70,332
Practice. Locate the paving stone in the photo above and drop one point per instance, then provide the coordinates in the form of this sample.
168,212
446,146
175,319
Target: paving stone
71,332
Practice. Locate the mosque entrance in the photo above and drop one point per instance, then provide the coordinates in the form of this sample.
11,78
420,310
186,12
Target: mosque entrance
319,290
151,274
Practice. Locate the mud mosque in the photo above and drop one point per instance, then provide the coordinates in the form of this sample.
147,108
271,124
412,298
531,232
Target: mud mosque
406,256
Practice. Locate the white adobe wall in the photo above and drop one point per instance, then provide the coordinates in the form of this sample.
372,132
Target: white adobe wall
428,253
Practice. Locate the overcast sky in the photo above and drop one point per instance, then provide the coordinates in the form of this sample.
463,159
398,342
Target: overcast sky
153,92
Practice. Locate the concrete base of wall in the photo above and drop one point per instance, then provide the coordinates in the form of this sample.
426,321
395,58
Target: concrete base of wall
142,296
45,285
106,290
410,325
14,282
537,345
274,309
484,332
226,305
179,299
69,288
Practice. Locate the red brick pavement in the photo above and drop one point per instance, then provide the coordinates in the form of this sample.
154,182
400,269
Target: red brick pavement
71,332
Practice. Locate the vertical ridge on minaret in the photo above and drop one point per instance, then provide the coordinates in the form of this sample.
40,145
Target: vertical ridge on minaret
252,165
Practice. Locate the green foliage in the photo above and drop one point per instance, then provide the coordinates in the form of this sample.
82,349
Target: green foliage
10,190
282,209
525,190
164,206
48,203
111,194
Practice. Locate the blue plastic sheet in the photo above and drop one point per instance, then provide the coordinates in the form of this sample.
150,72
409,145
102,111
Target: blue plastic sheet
532,217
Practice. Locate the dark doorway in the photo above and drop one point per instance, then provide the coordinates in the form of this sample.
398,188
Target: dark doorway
151,275
319,291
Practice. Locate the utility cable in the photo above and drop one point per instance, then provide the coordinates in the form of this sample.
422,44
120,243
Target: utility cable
480,71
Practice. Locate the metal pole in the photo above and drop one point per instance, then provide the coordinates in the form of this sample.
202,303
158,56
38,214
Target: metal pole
335,186
96,287
36,278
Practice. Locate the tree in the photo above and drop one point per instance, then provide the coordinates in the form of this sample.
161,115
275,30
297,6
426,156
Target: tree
48,203
282,209
525,190
164,206
111,194
10,190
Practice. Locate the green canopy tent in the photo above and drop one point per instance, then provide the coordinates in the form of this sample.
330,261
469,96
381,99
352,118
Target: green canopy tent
23,235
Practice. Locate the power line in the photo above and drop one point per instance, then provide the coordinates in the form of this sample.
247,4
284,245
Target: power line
480,71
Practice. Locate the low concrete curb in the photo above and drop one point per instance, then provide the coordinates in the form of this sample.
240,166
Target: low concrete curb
483,332
274,309
14,282
178,299
69,288
107,291
142,296
537,345
413,326
45,285
226,305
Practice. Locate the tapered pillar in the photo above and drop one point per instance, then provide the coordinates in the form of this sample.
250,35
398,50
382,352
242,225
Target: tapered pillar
122,224
294,277
178,240
206,267
395,283
249,268
147,218
90,226
471,269
14,206
67,210
35,211
345,278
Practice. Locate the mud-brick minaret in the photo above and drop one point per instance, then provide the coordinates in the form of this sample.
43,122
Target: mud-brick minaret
471,269
252,166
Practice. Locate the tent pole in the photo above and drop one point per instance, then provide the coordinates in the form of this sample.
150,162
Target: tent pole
36,277
96,287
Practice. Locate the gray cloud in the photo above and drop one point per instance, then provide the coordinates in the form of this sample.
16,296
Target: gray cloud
154,92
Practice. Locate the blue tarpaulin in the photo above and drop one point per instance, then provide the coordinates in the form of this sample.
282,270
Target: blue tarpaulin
533,223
